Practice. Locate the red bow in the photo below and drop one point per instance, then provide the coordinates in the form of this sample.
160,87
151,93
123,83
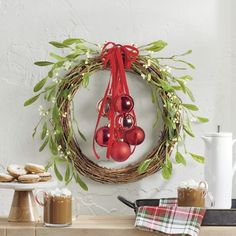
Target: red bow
129,53
118,58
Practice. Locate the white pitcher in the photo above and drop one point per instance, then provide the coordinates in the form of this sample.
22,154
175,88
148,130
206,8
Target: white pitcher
219,168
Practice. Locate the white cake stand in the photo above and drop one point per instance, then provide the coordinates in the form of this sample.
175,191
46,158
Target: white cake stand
23,207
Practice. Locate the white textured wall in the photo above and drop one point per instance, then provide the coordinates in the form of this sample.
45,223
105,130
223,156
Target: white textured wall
207,27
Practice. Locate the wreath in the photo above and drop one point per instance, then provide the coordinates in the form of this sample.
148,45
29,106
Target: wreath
59,128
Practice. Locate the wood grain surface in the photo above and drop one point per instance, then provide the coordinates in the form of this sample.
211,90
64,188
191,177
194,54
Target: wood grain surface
96,225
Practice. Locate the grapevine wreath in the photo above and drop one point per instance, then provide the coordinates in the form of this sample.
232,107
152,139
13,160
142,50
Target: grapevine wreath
121,135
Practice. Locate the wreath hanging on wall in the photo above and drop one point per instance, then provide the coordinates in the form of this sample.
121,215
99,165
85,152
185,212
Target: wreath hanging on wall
59,128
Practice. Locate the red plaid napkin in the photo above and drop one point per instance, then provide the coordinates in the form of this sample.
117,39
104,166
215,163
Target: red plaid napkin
169,218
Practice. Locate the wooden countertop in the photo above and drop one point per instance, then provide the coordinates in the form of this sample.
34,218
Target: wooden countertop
95,226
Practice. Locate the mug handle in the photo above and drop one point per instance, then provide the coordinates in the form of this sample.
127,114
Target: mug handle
212,200
37,199
75,209
203,184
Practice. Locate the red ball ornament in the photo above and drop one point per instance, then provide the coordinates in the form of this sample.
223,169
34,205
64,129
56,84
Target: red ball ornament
125,121
102,136
134,136
120,151
106,106
123,104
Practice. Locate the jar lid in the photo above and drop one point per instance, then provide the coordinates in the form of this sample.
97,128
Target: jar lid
219,134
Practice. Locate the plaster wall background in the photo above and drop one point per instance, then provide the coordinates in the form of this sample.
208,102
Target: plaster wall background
26,27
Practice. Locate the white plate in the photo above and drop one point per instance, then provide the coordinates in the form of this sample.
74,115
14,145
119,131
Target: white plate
22,186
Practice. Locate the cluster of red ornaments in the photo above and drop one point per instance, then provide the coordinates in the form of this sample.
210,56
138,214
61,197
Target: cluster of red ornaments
125,133
117,106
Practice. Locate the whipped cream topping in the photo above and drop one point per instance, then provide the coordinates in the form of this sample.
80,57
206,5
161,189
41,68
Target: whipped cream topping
60,192
191,183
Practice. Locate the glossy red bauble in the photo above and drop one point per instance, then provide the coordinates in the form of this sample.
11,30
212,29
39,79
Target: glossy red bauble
123,103
134,136
106,106
102,136
125,121
120,151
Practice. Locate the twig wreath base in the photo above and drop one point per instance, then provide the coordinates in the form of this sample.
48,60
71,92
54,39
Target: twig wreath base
83,164
57,123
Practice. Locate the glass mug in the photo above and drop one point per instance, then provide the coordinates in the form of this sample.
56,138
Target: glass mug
57,207
194,196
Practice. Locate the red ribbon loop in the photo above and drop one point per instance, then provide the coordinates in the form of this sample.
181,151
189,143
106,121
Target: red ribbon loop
128,52
118,58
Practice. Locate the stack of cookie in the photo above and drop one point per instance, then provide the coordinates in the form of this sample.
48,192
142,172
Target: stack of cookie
30,173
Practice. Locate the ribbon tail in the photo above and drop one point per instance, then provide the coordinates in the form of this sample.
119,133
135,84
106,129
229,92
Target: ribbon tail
104,100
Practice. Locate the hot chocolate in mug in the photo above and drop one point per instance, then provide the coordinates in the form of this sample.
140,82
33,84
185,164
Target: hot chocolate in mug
57,207
193,194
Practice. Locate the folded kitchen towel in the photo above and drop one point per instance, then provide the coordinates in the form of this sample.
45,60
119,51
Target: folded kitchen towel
170,218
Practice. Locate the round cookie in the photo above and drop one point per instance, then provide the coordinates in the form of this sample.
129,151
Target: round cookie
6,177
34,168
45,176
16,170
30,178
